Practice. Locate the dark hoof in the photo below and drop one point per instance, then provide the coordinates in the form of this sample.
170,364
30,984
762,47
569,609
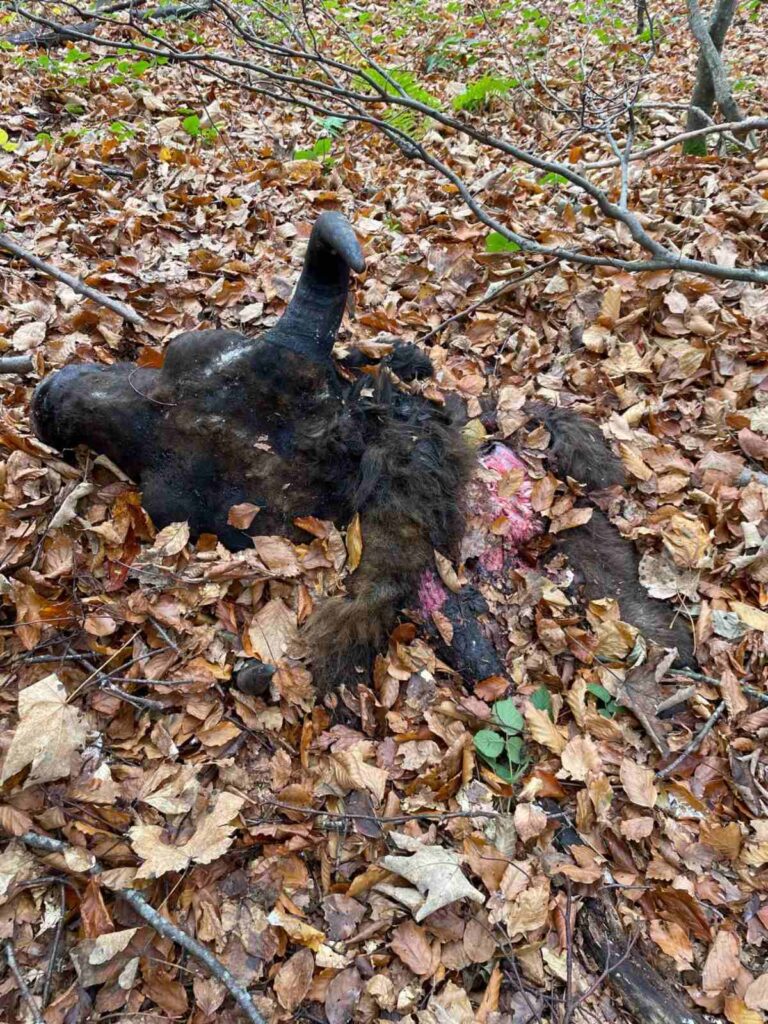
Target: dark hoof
254,678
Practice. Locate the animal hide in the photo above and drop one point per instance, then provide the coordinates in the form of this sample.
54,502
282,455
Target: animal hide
269,420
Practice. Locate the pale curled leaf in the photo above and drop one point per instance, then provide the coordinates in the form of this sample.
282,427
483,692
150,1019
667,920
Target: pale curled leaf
638,783
354,543
48,733
436,873
543,730
170,540
106,947
211,839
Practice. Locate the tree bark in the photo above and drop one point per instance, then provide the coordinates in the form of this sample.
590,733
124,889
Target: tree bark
711,75
646,996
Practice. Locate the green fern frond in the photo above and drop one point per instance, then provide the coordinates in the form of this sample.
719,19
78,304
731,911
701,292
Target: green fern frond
478,93
410,122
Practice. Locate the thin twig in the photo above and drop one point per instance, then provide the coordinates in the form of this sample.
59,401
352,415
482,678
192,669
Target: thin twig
50,970
126,312
325,97
490,296
392,819
170,931
695,742
26,995
748,691
748,124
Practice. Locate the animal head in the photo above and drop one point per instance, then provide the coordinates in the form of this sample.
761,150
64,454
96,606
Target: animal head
115,409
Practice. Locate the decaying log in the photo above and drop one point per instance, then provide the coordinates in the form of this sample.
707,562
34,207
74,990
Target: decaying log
646,995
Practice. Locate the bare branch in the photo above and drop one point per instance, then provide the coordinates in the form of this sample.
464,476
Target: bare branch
16,364
695,743
13,967
326,98
749,124
163,927
490,296
126,312
170,931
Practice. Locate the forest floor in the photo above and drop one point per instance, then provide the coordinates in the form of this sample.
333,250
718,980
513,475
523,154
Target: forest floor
261,826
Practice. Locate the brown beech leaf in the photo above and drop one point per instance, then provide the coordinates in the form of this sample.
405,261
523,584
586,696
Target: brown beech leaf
211,838
722,965
241,516
354,543
342,996
293,979
638,783
529,821
756,995
170,540
543,730
49,732
411,943
436,873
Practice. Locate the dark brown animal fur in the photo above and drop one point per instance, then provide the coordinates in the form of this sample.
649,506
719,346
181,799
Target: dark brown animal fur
607,564
269,420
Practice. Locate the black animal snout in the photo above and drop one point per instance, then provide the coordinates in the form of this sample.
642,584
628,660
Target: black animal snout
50,399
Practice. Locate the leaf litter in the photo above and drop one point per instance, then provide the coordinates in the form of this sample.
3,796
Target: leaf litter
385,867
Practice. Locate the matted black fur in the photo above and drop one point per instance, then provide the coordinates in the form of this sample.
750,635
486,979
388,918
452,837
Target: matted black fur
268,420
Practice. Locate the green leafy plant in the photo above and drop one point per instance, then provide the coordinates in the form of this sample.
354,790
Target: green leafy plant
319,151
503,748
191,125
410,122
477,94
494,242
553,178
122,131
542,700
5,143
606,702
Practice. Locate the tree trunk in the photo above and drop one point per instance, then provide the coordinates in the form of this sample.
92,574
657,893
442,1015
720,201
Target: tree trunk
641,8
705,90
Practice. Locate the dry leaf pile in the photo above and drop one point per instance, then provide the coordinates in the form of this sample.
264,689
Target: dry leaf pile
379,870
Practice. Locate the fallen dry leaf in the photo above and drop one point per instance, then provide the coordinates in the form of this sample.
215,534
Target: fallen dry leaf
436,873
638,783
49,732
212,838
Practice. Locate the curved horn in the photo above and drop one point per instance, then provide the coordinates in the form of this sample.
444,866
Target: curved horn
311,321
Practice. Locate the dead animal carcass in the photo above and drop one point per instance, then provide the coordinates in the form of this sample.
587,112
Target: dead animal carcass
269,420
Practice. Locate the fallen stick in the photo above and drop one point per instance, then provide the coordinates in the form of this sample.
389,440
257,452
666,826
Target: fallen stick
695,743
646,996
164,927
490,296
123,310
13,967
16,364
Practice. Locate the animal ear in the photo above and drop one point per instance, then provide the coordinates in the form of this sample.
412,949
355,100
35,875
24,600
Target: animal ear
311,321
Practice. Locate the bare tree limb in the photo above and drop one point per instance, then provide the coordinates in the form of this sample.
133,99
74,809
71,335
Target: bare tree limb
170,931
16,364
711,75
325,98
13,967
126,312
695,743
162,926
490,296
749,124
